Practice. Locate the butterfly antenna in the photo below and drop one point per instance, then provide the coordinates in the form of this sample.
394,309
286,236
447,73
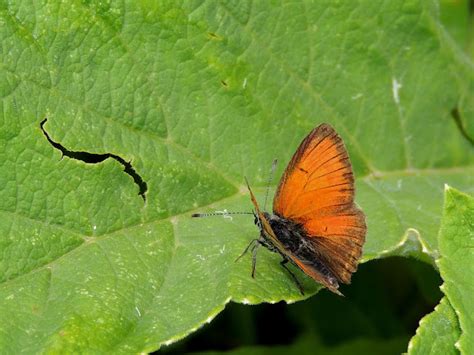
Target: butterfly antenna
269,181
224,213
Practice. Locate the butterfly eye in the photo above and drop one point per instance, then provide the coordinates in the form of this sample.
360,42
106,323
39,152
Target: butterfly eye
257,221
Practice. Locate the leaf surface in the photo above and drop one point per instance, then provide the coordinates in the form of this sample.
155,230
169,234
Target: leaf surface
197,95
437,333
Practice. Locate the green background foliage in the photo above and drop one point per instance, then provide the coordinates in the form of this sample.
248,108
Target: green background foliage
197,95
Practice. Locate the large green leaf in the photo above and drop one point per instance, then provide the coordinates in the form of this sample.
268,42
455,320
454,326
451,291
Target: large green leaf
198,95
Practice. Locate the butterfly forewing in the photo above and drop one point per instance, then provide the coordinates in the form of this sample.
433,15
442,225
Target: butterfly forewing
317,191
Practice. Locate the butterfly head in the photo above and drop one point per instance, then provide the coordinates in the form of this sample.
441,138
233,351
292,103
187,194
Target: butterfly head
257,219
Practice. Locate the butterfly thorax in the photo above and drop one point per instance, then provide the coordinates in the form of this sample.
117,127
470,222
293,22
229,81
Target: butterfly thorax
297,242
291,234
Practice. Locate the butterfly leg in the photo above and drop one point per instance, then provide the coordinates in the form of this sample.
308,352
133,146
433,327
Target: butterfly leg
300,287
254,256
251,244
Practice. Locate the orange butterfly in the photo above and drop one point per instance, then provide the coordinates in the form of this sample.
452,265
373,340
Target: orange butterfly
315,223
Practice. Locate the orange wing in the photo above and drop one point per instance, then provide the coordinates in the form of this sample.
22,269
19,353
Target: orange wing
317,191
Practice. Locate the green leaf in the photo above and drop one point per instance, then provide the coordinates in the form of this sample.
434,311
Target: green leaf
437,333
197,95
450,326
456,264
